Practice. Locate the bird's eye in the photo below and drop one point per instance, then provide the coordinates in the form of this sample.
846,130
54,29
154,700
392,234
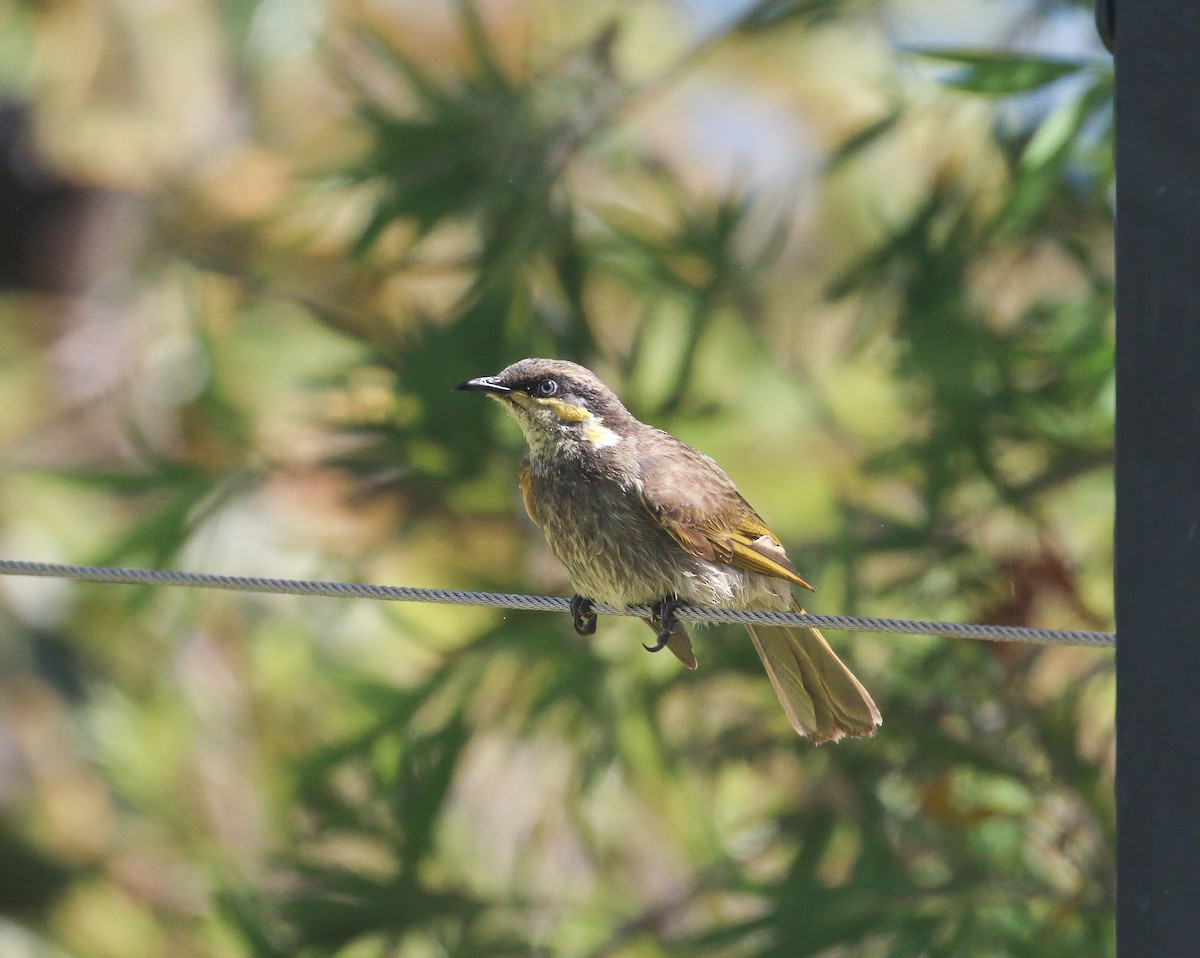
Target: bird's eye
547,387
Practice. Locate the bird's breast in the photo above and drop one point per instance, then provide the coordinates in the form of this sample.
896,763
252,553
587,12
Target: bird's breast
615,552
599,532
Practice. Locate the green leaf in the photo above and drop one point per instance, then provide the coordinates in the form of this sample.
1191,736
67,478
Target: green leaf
862,140
997,73
1038,175
772,14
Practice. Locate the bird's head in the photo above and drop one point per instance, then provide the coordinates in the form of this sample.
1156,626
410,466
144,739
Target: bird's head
559,405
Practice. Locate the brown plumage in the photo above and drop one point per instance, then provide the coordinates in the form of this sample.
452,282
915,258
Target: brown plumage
636,516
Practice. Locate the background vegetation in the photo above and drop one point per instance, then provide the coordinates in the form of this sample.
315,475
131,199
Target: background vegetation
858,251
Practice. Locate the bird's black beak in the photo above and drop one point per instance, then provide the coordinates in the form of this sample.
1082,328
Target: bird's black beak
485,384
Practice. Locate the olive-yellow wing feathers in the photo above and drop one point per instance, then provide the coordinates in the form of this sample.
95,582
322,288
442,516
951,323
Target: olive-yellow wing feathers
694,501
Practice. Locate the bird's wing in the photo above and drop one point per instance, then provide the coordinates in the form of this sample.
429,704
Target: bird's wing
692,498
525,482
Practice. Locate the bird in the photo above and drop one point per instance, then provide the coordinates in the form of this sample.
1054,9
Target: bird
638,517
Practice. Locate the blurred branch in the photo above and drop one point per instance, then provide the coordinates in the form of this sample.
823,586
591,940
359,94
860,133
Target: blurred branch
655,920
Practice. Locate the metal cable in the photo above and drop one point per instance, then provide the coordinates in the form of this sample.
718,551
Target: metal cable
546,603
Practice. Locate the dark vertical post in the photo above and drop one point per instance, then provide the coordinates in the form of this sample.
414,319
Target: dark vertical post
1158,478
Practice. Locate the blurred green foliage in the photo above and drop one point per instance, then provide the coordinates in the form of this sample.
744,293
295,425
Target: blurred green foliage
909,371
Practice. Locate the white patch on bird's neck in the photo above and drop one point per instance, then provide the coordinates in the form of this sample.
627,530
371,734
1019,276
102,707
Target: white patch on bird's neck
598,434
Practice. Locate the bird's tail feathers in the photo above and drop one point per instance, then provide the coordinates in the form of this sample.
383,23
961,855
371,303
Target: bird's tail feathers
679,644
820,695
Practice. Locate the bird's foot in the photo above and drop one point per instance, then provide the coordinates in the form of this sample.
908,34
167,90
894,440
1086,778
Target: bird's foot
664,617
583,615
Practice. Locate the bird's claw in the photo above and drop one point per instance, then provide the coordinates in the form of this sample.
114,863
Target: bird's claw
583,615
664,614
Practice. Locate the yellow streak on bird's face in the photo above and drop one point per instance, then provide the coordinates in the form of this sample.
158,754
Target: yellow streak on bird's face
542,420
567,412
